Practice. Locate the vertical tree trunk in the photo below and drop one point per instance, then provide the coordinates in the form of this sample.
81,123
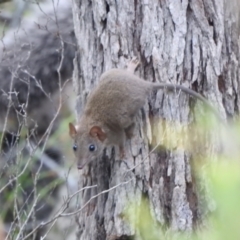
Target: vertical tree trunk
192,43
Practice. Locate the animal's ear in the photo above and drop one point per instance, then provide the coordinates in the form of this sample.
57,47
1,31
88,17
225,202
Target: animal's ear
72,130
98,132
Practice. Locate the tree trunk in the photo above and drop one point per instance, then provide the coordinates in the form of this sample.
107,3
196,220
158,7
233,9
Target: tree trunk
191,43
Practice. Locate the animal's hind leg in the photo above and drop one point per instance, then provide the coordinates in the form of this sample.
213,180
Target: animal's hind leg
129,131
119,140
122,148
132,65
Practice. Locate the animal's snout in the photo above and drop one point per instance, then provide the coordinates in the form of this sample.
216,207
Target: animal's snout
83,163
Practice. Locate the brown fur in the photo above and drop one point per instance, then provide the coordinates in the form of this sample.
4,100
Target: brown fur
110,111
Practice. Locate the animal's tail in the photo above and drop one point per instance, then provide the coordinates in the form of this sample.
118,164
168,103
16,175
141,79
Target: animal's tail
174,87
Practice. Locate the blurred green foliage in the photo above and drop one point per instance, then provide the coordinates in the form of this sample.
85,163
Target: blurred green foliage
223,223
221,170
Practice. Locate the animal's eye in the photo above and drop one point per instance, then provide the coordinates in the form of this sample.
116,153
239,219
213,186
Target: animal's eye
74,148
91,147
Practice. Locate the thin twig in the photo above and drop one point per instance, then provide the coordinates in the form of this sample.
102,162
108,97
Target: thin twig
61,210
28,217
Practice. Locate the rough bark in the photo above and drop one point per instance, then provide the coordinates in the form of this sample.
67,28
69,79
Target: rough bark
192,43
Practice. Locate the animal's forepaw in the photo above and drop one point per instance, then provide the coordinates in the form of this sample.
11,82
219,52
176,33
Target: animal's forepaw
133,64
122,152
